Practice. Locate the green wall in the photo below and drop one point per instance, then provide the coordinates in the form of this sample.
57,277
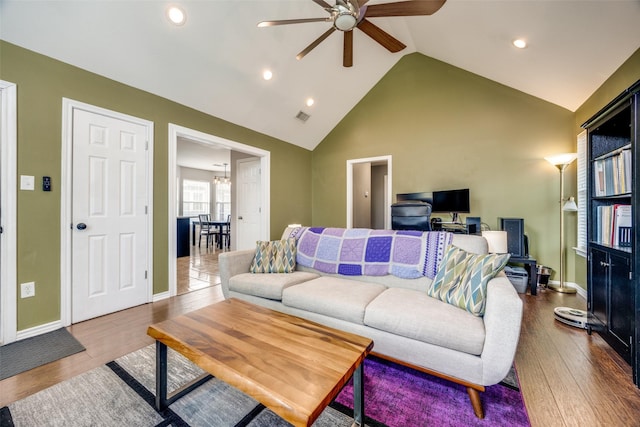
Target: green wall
447,128
41,84
624,77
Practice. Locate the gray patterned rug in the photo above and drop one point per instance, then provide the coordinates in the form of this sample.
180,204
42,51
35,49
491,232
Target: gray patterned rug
122,392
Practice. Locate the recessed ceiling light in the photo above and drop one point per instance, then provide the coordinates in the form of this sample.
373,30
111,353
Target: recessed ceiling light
176,15
310,102
520,43
267,74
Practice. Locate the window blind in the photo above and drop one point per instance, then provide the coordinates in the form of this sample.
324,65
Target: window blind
581,245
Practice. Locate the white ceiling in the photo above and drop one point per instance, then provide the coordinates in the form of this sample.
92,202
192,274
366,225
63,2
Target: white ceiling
194,155
214,62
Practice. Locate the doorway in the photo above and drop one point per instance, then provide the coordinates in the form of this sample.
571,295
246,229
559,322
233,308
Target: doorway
8,206
176,132
106,191
369,183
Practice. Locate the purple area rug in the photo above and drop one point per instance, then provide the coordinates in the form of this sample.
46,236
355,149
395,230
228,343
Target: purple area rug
397,396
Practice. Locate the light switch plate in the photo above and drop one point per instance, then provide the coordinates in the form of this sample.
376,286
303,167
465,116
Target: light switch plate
27,182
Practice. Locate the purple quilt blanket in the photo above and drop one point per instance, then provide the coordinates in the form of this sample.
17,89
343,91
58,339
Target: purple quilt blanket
359,251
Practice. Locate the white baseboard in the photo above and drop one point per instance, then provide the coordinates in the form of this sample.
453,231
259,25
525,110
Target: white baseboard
38,330
160,296
579,289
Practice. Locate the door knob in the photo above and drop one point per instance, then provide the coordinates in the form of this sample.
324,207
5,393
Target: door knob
239,217
81,226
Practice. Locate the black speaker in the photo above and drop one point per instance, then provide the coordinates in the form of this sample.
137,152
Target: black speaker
515,235
473,224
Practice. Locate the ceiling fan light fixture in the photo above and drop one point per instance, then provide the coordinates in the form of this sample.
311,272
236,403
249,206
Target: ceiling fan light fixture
345,15
344,21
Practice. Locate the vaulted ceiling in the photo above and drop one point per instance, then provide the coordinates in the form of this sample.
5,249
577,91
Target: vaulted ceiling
215,60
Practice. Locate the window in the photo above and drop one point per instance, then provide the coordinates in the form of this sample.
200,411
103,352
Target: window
581,247
195,197
223,201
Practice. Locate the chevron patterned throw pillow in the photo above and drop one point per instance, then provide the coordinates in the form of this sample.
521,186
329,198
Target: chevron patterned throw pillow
278,256
461,279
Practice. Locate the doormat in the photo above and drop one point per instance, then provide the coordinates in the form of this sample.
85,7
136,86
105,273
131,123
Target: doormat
21,356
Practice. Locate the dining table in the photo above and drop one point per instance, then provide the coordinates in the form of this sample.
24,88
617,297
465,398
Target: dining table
219,225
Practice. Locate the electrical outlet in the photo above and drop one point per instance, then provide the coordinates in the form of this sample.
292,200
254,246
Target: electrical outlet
28,290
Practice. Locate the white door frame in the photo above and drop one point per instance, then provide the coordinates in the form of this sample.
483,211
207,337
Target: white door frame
66,211
176,131
374,160
8,206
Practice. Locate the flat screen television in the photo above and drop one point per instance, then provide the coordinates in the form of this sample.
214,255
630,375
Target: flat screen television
452,201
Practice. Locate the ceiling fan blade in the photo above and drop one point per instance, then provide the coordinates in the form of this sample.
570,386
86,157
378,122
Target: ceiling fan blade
378,34
347,54
405,8
315,43
292,21
322,4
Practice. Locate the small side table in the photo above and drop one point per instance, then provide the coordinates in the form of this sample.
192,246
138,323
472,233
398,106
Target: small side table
530,265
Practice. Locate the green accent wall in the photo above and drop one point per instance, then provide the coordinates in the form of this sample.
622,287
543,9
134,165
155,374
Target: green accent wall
447,128
42,82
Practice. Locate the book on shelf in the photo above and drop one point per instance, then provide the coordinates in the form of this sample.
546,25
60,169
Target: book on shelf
613,224
612,174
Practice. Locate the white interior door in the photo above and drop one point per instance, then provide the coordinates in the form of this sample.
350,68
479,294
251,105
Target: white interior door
8,218
249,209
110,215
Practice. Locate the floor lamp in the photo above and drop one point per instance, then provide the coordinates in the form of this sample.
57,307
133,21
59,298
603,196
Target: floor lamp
561,161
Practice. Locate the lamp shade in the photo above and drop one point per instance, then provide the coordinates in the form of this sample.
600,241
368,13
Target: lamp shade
497,241
570,205
561,159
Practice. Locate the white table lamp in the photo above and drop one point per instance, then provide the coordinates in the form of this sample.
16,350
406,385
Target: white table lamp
497,241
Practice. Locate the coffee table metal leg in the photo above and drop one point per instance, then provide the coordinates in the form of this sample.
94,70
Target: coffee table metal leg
161,376
358,395
163,399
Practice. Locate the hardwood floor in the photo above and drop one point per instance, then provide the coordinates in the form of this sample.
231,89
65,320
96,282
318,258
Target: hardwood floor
568,378
199,270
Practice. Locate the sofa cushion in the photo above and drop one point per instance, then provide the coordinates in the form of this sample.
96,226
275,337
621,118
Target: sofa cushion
267,285
332,296
462,278
278,256
413,314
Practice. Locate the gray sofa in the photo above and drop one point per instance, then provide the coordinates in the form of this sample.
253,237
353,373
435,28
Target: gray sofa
405,324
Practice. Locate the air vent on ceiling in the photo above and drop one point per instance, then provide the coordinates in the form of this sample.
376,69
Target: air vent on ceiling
302,116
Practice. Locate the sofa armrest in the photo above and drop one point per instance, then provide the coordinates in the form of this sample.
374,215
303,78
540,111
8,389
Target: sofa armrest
502,321
233,263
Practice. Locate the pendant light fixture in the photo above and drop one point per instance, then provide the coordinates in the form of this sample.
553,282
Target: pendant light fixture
225,180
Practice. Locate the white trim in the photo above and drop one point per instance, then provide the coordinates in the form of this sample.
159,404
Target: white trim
160,296
580,251
66,186
579,289
176,131
8,207
39,330
389,186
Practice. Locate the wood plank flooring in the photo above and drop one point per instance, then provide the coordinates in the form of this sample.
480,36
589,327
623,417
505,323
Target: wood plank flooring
568,377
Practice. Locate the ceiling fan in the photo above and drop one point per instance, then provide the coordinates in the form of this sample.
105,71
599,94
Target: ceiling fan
346,15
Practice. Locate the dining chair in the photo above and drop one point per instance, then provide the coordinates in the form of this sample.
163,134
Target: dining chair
206,229
225,234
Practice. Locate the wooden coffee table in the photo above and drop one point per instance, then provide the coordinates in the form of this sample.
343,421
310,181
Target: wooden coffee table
292,366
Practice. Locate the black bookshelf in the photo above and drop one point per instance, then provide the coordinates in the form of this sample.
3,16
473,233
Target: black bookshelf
613,250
